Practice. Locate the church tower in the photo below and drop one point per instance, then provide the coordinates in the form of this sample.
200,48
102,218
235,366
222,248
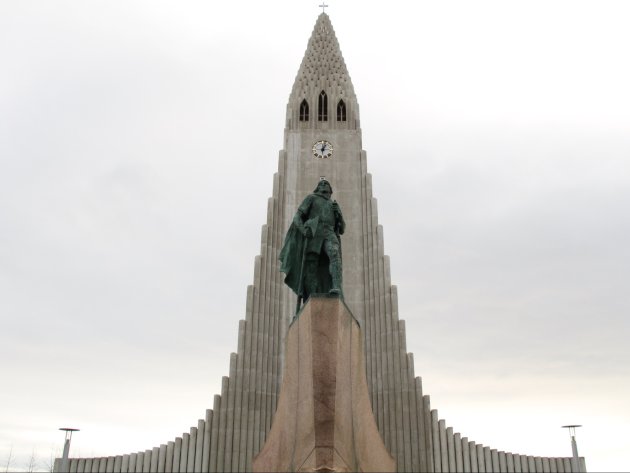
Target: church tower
322,139
323,113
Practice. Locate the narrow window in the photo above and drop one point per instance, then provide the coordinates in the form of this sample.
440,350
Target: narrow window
341,111
322,109
304,111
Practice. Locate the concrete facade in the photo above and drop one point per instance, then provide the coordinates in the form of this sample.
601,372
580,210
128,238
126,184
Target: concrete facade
235,429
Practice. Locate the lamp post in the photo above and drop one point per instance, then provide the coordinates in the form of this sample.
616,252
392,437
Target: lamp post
576,458
65,464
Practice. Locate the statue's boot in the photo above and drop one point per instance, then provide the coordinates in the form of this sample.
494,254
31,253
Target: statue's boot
336,274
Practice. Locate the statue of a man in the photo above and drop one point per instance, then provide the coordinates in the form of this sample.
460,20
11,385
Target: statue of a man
311,255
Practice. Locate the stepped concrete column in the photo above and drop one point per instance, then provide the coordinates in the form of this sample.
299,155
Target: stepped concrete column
324,420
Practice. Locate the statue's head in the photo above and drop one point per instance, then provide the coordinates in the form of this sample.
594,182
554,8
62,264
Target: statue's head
324,188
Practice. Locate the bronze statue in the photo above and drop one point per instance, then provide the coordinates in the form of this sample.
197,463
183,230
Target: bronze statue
311,255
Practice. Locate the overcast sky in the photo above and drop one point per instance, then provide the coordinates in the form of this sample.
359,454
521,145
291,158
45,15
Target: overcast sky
138,141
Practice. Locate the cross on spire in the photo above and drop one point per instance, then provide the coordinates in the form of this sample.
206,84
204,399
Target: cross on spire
323,6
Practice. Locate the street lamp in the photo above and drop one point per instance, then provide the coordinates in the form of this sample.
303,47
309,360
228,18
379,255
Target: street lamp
576,458
65,465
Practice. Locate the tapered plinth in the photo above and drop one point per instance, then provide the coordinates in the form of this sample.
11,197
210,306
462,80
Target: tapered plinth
324,420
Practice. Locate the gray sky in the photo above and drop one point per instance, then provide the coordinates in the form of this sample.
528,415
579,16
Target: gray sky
138,141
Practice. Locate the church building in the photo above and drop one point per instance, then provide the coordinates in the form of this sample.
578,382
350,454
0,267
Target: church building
322,138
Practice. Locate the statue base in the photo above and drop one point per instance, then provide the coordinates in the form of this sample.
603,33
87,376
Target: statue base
324,420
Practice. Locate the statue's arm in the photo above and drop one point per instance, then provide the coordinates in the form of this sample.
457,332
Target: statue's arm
301,215
298,220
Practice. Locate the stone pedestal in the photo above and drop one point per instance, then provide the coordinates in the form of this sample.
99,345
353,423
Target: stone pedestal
324,420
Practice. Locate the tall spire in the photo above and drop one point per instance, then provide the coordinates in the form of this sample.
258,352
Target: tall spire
323,69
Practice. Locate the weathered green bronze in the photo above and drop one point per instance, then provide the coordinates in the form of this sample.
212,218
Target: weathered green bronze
311,255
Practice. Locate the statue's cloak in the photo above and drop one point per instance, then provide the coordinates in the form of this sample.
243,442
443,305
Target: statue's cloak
291,257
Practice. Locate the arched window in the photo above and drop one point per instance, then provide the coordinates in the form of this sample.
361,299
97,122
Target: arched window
304,111
322,107
341,111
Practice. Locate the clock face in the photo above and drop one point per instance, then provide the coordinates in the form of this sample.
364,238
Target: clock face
322,149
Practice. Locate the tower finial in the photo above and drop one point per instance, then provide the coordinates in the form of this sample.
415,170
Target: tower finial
323,6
